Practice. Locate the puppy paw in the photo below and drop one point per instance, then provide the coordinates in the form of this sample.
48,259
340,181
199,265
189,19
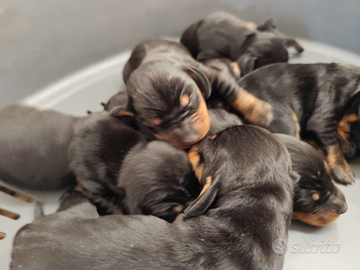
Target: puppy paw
343,174
260,113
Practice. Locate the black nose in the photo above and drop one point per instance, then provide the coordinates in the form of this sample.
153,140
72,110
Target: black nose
343,209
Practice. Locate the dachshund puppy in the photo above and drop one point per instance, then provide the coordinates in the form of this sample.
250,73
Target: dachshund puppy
245,206
221,34
123,173
310,101
97,152
34,148
158,180
317,200
167,89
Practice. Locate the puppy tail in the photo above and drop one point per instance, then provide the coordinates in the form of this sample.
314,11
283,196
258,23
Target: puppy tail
38,210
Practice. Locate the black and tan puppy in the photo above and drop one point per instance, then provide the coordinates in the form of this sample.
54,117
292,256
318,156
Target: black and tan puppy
232,225
310,101
122,172
167,89
158,180
34,148
97,152
317,200
221,34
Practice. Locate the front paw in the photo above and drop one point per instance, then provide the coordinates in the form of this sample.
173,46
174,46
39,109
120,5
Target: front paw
343,174
260,114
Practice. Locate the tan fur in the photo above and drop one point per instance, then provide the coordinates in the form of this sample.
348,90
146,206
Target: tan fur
253,109
125,113
2,235
206,186
194,159
315,196
251,25
316,220
296,120
184,100
343,128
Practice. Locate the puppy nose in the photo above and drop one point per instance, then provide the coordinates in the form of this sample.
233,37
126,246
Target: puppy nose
343,209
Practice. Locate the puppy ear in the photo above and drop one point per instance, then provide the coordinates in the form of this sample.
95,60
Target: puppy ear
268,25
120,111
204,201
246,63
201,80
189,38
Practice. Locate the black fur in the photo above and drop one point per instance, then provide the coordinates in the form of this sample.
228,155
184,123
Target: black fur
314,177
122,172
119,99
318,94
221,34
251,207
34,148
158,180
221,120
159,73
98,150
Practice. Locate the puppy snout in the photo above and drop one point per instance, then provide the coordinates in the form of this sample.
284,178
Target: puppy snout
343,209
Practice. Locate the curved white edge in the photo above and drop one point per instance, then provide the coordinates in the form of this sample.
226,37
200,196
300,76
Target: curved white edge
68,86
65,88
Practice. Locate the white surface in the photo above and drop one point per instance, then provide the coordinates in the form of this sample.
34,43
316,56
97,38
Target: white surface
86,89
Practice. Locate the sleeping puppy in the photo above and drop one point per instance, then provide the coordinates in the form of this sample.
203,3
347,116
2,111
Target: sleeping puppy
158,180
100,145
221,34
167,89
243,209
310,101
34,148
123,173
317,200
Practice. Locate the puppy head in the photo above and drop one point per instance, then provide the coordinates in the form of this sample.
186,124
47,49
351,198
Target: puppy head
237,157
265,50
317,200
163,184
170,100
269,26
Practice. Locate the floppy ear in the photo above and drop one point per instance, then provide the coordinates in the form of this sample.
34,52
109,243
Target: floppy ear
268,25
204,201
190,40
201,80
246,63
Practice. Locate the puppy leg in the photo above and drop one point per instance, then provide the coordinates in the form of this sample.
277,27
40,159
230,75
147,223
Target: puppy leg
285,121
254,110
326,131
